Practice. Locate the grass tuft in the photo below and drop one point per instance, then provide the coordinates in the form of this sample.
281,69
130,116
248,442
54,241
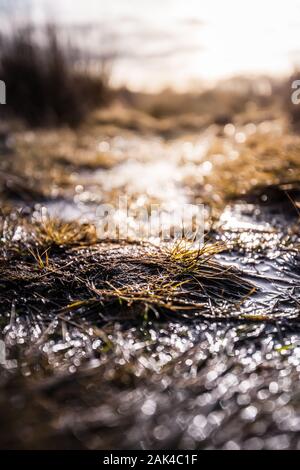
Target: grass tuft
106,282
52,233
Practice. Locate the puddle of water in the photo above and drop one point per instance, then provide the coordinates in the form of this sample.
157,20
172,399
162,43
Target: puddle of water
144,187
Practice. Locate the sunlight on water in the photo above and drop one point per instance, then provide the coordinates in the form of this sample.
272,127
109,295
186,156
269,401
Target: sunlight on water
241,217
147,189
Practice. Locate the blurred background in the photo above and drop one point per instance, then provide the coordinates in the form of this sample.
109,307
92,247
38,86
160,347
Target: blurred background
64,50
174,43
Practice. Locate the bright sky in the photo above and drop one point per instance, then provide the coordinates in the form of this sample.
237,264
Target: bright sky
163,42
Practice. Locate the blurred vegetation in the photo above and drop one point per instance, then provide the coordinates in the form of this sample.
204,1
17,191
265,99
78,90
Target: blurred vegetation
50,83
43,86
221,102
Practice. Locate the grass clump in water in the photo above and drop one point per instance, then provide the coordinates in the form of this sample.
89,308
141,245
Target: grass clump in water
55,233
104,282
